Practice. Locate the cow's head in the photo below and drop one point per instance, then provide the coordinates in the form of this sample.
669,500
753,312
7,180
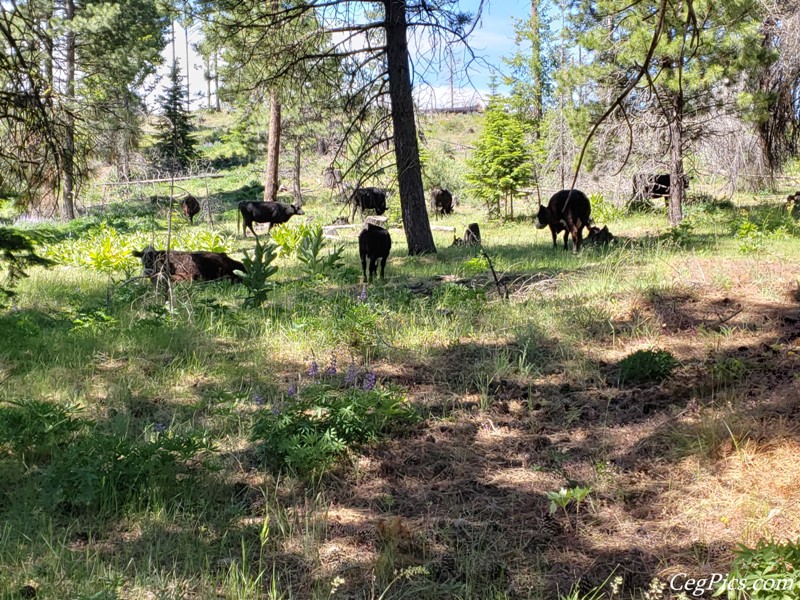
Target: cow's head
298,210
542,217
600,236
149,256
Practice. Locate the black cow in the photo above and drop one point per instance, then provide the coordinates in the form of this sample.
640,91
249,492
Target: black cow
369,198
190,207
374,242
599,237
650,185
189,266
567,211
271,213
441,201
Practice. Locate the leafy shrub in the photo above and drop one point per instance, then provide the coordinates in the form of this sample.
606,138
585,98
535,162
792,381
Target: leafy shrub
107,472
104,250
288,238
773,565
33,430
16,254
196,239
309,253
310,432
681,233
644,366
257,272
752,239
604,211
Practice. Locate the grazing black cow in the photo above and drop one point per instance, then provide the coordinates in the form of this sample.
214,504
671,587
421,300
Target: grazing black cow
647,186
271,213
369,198
567,211
374,242
599,237
441,201
190,207
471,237
189,266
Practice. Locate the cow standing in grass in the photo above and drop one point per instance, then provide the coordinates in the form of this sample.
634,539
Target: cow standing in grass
271,213
441,202
190,207
568,211
374,243
369,198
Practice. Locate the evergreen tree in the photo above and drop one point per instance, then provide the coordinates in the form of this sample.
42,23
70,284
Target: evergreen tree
678,60
501,162
175,146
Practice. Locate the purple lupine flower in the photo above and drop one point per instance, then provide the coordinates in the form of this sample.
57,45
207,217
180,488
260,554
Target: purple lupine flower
160,427
313,370
351,375
258,399
331,370
276,409
362,297
369,381
292,391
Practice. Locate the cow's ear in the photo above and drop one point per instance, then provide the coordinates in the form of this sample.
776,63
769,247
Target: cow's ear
605,229
137,254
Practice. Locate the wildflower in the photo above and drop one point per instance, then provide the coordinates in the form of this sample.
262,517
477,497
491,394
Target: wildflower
292,391
331,370
276,409
616,584
362,297
258,399
160,427
313,370
351,375
369,381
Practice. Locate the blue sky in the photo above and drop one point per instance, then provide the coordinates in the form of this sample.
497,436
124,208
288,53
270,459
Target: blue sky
491,40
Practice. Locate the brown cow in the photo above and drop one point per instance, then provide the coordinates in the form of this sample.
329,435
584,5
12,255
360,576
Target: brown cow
189,266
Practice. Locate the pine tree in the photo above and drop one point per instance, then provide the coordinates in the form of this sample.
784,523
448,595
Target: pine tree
695,55
175,146
501,162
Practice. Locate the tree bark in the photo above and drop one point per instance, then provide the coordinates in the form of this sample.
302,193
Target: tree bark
216,82
68,200
537,67
676,184
273,148
296,190
409,172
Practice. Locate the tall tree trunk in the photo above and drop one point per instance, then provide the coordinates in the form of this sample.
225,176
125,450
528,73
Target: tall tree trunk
188,92
537,67
296,190
208,81
216,82
676,187
409,172
273,147
68,200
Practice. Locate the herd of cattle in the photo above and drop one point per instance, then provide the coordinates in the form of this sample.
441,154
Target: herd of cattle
568,211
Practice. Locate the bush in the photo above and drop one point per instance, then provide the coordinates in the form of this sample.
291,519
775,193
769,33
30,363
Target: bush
645,366
768,562
288,238
33,430
604,211
322,421
107,472
309,252
257,272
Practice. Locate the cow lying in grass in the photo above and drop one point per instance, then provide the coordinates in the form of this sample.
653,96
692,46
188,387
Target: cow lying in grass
189,266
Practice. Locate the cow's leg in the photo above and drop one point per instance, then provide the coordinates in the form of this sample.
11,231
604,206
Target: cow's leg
566,237
577,238
353,213
364,266
555,237
250,225
383,265
373,267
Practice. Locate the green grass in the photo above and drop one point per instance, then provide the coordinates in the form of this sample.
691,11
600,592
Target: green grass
220,520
